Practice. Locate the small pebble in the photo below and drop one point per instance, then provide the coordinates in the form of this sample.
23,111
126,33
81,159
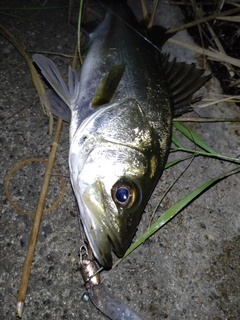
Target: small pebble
85,297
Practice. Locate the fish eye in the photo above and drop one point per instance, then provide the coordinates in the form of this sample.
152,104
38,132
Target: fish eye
124,193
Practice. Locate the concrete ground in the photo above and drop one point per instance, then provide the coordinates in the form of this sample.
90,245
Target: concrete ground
189,269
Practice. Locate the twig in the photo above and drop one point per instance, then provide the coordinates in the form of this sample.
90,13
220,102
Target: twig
234,3
205,19
155,4
70,56
36,223
199,14
227,99
216,55
144,11
35,77
220,5
221,49
231,19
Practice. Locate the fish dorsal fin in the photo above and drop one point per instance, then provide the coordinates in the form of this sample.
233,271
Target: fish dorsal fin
158,35
89,27
184,80
108,85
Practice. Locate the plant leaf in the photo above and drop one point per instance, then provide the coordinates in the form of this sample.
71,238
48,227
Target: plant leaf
176,141
194,137
176,208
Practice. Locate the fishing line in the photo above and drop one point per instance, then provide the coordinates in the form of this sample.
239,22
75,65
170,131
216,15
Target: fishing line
127,24
169,188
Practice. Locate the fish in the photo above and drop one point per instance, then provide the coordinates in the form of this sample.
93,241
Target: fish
120,112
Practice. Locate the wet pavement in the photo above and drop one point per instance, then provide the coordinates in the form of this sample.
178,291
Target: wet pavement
189,269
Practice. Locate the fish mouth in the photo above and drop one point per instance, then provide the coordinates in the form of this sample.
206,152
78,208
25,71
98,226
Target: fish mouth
104,235
102,240
102,248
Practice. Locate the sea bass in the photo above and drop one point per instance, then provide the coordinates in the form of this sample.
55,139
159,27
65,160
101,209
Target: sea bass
120,113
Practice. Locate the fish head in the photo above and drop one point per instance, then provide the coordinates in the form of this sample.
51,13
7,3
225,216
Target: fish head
114,166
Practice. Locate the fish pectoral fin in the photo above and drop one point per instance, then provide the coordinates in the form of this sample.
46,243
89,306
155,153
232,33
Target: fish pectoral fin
184,80
108,85
58,107
50,72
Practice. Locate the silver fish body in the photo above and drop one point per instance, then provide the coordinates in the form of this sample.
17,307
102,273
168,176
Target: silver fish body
120,131
114,150
126,151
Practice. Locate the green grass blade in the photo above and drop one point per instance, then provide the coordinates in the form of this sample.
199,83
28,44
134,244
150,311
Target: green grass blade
176,141
176,208
79,31
207,154
172,163
194,137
